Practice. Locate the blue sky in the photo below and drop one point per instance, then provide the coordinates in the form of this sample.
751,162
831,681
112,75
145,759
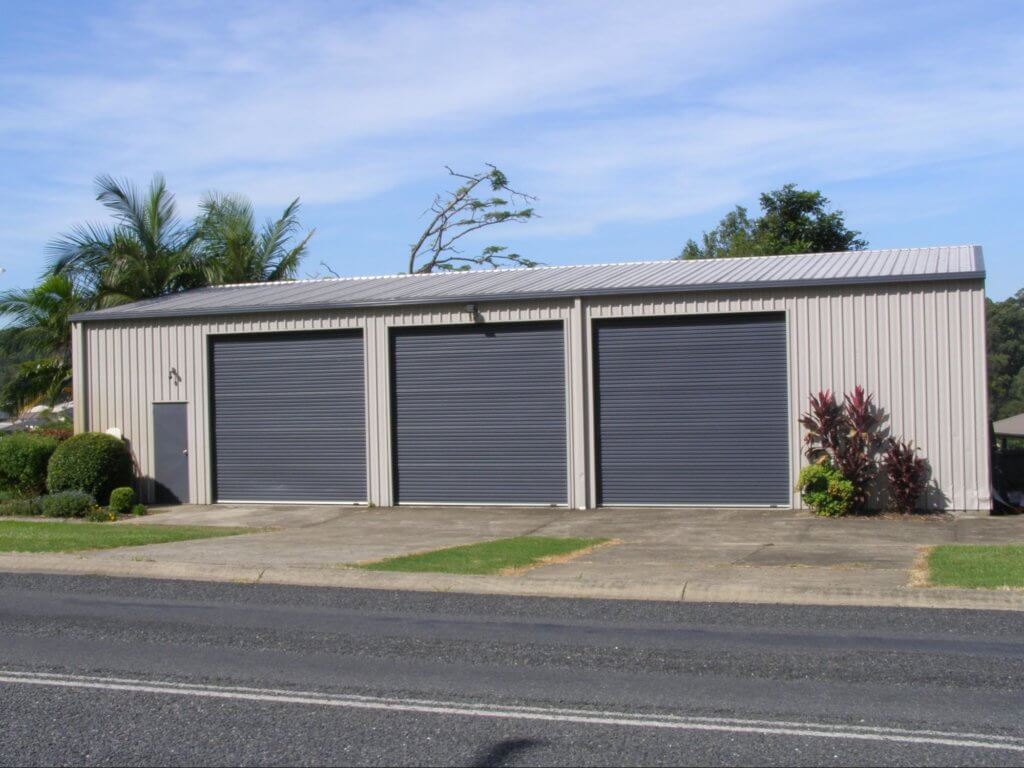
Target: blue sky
636,124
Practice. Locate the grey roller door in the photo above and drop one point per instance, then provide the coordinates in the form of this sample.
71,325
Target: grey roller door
479,414
289,418
693,411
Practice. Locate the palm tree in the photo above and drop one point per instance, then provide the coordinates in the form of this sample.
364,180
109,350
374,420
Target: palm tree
147,253
40,328
232,250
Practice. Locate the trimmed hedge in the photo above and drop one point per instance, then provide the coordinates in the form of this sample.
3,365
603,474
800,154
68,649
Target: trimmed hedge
68,504
122,500
93,463
24,458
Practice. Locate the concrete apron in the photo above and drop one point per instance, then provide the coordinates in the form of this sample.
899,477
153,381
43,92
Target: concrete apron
691,555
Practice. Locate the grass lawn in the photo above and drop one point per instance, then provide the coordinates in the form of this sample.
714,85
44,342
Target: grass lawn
486,557
968,565
40,536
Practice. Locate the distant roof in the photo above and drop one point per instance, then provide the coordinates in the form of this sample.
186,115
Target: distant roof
645,277
1011,427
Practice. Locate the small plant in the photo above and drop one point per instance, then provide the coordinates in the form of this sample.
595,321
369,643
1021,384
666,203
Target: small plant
68,504
857,456
21,508
847,436
101,515
823,425
825,490
24,458
122,500
139,510
907,474
92,462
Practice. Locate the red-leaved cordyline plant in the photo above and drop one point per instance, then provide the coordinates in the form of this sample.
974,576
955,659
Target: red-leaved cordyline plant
907,474
847,435
824,425
856,457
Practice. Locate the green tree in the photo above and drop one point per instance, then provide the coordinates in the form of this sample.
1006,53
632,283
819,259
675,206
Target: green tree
12,355
232,250
148,252
1005,330
40,336
459,213
792,221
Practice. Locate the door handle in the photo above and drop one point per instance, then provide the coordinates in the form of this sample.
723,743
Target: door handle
185,452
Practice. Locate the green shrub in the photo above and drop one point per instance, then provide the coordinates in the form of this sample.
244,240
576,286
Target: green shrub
93,463
101,515
122,500
68,504
23,461
825,490
21,508
139,510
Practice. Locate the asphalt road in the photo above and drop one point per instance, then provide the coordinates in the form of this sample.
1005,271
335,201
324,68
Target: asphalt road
118,671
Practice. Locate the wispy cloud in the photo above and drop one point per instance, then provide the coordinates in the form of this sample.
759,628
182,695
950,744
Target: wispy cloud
610,112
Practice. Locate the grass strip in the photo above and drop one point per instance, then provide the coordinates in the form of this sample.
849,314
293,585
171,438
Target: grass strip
976,566
486,557
42,536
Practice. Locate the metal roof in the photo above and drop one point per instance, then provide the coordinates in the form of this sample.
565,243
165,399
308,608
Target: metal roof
813,269
1011,427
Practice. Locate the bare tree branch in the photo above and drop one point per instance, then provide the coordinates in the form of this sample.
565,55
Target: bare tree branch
460,212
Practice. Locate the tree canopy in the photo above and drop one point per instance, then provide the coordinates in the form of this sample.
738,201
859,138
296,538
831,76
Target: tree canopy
147,251
792,221
232,249
1005,330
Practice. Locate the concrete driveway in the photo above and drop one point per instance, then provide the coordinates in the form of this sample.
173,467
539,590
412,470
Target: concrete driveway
746,555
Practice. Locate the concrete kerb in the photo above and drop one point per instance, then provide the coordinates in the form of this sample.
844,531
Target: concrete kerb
690,592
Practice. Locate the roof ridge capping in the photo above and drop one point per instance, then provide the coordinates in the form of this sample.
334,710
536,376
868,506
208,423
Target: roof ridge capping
977,255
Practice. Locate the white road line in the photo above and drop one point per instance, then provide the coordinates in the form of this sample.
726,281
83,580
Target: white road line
578,716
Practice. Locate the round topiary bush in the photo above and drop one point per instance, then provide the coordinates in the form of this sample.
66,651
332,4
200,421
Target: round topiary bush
23,461
122,500
91,462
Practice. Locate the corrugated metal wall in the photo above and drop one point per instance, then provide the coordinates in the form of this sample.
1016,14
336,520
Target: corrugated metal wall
919,347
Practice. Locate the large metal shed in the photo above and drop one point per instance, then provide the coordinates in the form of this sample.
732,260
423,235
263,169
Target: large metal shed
650,383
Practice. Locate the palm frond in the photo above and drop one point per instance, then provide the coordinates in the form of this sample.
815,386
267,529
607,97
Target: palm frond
81,254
